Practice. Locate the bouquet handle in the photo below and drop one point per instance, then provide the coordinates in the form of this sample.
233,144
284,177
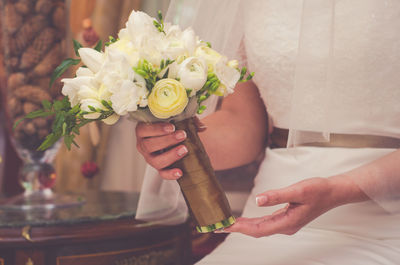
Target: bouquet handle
203,194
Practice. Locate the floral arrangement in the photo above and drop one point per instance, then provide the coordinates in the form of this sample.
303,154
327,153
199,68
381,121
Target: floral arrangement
151,66
153,71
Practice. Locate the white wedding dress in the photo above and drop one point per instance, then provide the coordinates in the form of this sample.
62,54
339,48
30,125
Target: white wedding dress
366,88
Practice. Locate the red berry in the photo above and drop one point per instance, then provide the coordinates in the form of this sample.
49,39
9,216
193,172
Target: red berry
89,169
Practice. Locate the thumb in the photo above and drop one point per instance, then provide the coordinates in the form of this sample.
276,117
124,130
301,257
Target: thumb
274,197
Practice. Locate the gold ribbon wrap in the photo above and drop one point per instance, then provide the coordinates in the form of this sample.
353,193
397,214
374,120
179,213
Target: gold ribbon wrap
203,194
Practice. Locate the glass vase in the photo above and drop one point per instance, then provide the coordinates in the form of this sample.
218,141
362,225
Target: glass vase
33,44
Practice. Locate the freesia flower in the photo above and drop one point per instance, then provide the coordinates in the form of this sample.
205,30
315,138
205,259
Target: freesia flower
91,58
72,86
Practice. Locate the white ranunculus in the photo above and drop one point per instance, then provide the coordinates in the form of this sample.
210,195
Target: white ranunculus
211,56
193,73
227,75
91,58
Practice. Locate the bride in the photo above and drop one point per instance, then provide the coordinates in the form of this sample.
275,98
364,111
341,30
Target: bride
327,73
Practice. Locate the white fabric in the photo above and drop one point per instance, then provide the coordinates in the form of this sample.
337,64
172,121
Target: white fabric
360,233
362,97
161,200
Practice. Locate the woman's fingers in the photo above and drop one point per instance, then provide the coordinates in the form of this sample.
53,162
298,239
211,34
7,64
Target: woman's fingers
165,159
292,193
268,225
171,174
201,127
144,130
153,139
157,143
280,222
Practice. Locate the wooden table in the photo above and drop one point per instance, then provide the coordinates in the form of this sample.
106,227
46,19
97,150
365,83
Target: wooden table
101,231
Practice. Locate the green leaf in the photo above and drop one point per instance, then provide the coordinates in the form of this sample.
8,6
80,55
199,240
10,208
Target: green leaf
51,139
68,140
165,74
75,130
77,46
62,68
98,46
208,44
38,113
46,104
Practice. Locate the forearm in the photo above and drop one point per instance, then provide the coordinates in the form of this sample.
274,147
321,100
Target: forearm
379,179
236,133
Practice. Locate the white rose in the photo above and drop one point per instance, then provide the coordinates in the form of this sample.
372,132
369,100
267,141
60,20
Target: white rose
91,58
193,74
227,75
208,54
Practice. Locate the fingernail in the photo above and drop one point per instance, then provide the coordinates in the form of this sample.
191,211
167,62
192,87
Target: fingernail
178,174
182,151
180,135
260,200
169,128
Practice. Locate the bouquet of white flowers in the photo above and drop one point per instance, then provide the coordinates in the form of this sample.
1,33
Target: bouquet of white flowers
151,72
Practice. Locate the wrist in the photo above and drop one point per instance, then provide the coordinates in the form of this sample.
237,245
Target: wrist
345,190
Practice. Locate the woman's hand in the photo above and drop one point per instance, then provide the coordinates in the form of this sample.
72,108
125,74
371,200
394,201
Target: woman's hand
159,143
151,141
304,200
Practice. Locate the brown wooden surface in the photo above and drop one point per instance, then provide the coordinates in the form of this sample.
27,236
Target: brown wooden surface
125,241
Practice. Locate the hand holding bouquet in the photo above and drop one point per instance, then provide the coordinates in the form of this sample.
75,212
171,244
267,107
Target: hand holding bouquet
151,72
